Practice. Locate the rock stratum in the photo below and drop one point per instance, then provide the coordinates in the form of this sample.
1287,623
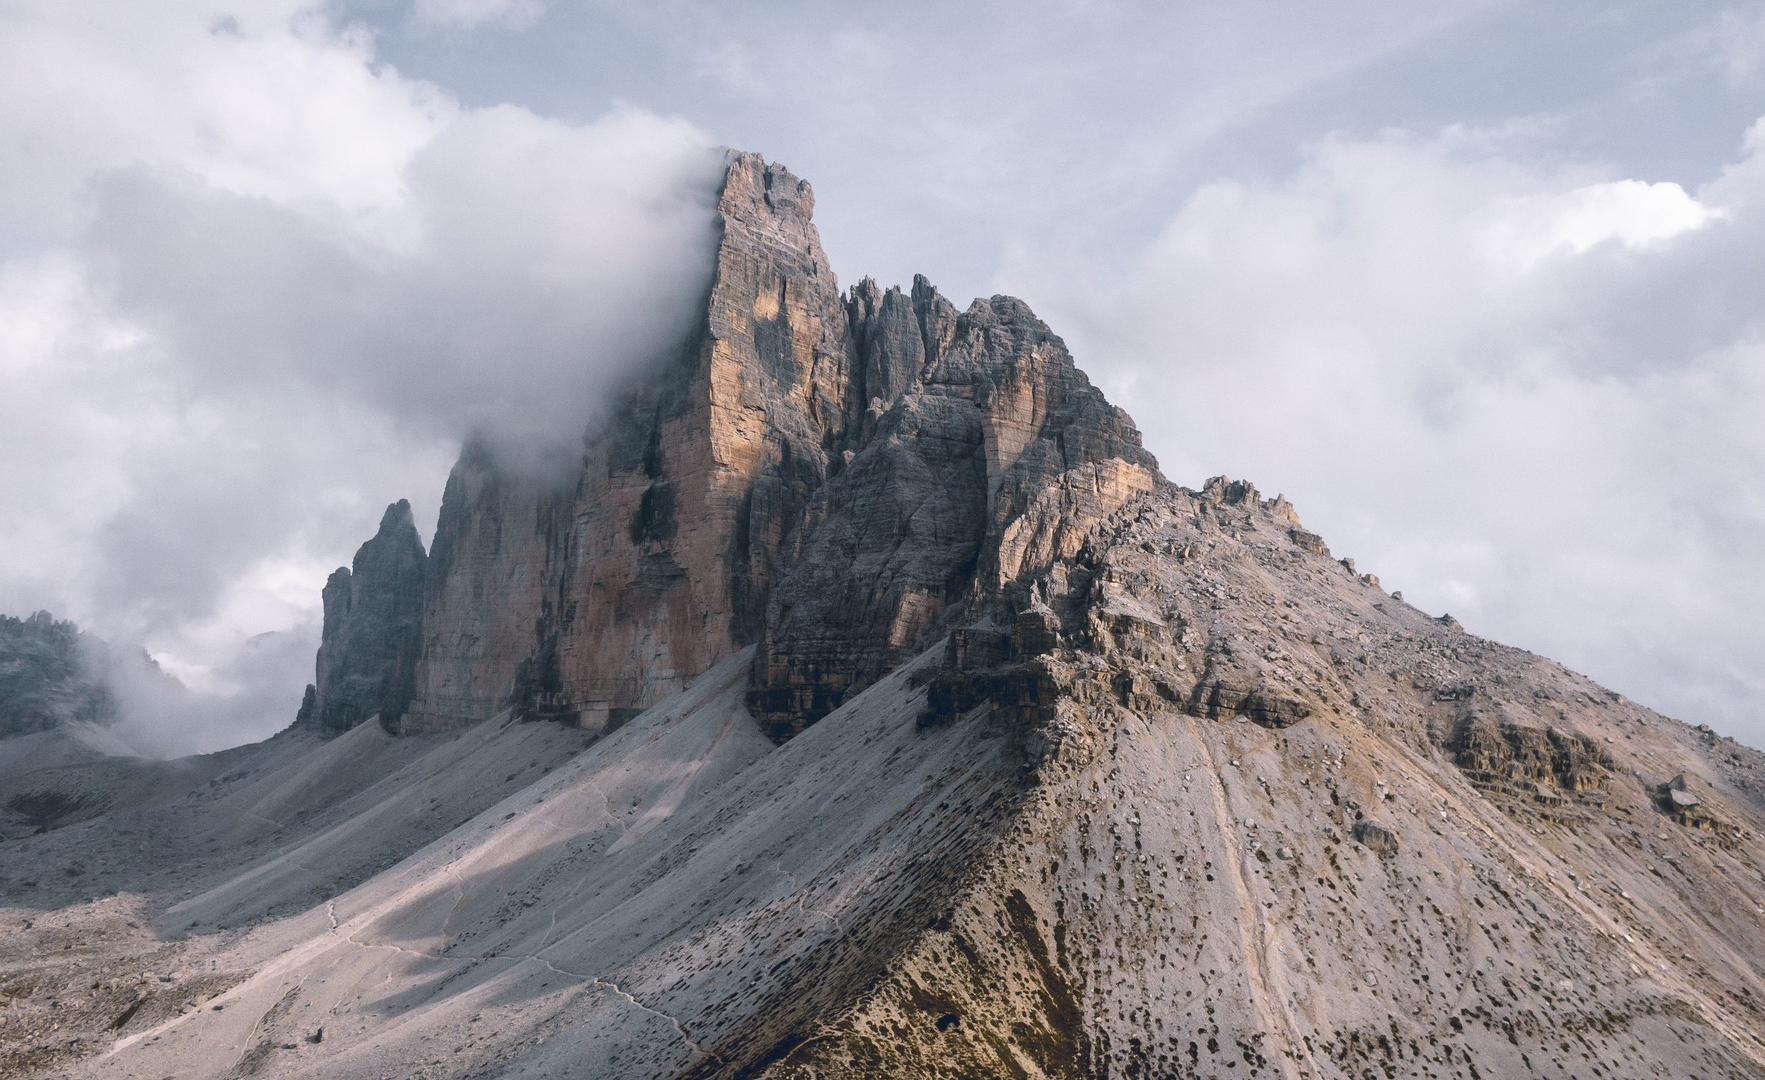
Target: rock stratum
829,476
869,705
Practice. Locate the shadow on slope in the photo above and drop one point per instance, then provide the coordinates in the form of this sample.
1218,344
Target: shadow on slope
680,895
294,818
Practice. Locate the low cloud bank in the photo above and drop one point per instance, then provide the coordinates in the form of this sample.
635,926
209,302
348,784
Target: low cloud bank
255,285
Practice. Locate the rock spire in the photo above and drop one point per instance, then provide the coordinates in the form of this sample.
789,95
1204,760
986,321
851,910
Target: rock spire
828,475
373,618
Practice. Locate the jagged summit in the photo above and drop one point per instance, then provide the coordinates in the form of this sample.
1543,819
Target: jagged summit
373,615
45,676
830,475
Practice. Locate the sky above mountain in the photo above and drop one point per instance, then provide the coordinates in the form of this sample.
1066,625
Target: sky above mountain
1476,285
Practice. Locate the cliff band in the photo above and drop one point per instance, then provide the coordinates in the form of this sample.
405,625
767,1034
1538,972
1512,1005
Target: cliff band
826,475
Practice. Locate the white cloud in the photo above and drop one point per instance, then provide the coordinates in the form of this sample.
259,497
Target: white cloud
1634,213
1527,395
254,286
537,259
258,99
731,65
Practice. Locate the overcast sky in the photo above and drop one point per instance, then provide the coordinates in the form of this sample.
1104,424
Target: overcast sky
1477,285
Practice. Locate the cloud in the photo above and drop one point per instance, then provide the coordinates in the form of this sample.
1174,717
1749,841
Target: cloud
1737,40
255,285
467,14
1525,394
535,260
1631,212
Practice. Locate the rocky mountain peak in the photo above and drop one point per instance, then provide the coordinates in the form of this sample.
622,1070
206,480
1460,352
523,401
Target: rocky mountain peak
1001,756
373,617
833,475
47,676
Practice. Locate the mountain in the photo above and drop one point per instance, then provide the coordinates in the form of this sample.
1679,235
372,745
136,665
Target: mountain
867,704
832,477
63,756
50,675
372,629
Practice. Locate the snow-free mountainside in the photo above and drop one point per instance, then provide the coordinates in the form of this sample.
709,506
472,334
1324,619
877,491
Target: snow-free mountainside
865,703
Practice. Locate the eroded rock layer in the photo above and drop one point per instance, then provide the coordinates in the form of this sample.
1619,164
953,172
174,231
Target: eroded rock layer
829,475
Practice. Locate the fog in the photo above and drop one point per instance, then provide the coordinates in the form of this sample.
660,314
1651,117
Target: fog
235,331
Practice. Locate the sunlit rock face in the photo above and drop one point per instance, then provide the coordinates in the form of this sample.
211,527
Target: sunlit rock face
589,595
830,475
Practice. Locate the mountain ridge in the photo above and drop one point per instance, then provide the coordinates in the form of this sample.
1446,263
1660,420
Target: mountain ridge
869,705
693,526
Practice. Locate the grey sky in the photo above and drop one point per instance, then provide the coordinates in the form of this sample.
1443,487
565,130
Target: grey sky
963,125
1476,285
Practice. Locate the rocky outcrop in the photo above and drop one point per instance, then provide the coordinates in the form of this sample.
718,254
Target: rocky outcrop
828,475
1538,762
587,597
1678,798
372,629
46,678
1376,838
53,674
986,470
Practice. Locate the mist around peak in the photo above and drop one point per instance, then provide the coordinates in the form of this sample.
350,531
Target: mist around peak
229,345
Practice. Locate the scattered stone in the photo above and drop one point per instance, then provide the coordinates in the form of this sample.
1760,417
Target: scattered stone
1376,838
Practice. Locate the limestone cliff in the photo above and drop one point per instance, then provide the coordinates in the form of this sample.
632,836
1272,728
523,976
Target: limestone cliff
53,675
373,615
45,677
589,597
828,475
987,467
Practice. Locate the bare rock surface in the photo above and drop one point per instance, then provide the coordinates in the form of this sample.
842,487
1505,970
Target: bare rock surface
372,629
827,475
985,471
588,597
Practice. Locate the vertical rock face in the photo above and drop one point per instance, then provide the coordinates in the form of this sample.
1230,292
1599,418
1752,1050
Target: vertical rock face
830,476
590,598
373,618
990,464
